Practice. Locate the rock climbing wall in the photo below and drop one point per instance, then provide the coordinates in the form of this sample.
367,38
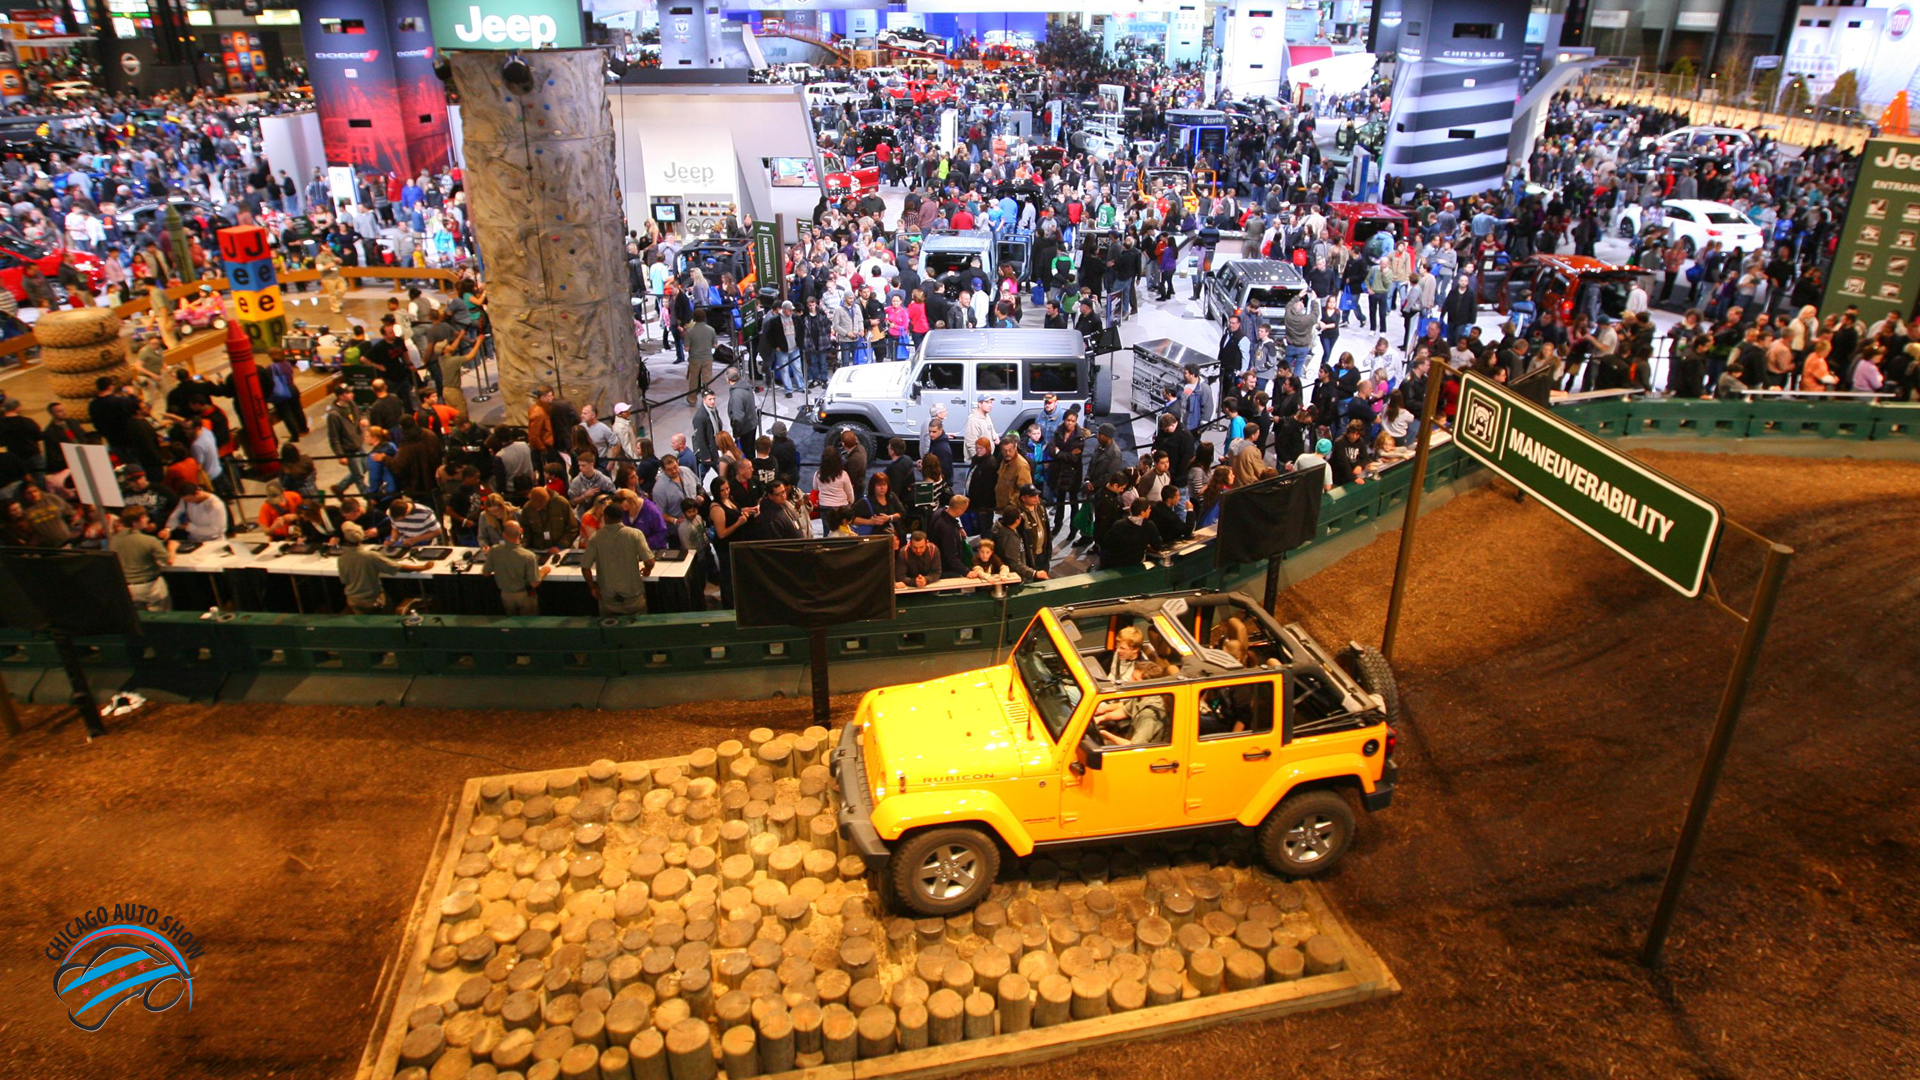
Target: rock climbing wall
544,201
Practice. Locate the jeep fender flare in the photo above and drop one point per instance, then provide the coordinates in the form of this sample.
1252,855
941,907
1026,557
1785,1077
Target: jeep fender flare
861,411
1284,781
897,814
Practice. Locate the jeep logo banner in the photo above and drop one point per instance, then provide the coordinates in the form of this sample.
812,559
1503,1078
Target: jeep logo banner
683,160
505,24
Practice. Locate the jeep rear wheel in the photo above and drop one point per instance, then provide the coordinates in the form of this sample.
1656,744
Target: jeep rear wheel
943,871
1307,833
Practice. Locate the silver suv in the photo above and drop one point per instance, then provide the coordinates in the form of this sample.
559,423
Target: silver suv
1016,369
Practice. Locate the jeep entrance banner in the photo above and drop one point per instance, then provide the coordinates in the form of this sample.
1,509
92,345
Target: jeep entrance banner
494,24
1874,268
684,159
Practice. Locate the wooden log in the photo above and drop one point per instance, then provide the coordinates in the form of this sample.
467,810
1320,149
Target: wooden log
1285,963
945,1017
1153,932
1206,892
832,986
930,931
647,1055
761,846
1053,1004
990,965
1126,995
423,1045
1163,986
590,1026
739,1052
1007,940
911,1021
776,1041
878,1033
704,762
1090,995
959,925
668,1012
690,1046
514,1050
1062,936
696,988
839,1034
865,994
1039,964
979,1008
616,1063
1015,998
580,1063
806,1027
1246,969
852,868
1205,970
777,755
1323,955
551,1043
1176,906
732,1008
1219,925
784,864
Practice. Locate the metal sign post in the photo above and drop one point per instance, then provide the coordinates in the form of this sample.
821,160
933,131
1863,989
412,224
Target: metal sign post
1652,521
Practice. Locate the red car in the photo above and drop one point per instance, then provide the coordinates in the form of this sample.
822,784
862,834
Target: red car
920,91
863,178
16,252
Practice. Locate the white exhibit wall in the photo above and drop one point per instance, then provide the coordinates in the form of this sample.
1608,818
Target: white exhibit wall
663,135
291,141
1253,61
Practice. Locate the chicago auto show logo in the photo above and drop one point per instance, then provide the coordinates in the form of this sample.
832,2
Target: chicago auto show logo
110,957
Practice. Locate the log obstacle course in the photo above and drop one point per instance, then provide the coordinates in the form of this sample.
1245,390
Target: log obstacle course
689,919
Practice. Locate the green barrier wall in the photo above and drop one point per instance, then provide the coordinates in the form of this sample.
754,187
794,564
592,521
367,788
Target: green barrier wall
191,655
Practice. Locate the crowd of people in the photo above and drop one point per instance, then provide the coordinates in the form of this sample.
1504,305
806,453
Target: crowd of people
1104,233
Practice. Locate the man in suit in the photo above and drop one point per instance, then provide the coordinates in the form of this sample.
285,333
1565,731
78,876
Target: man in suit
707,426
743,414
1232,355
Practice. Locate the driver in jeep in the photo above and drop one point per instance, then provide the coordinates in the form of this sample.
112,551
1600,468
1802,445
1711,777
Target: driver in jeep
1136,721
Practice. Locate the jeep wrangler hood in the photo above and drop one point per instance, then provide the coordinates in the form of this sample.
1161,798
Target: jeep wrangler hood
956,730
887,379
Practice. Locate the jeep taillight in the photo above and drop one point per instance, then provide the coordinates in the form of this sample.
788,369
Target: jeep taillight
1393,740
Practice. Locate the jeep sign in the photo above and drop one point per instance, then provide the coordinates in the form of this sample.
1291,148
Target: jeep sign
505,24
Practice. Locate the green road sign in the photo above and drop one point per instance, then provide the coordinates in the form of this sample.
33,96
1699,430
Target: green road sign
767,263
1653,522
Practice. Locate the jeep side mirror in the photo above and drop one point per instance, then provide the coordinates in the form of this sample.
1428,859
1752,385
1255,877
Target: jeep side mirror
1091,745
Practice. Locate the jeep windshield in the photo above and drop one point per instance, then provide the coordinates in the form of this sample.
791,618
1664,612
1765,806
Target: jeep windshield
1050,683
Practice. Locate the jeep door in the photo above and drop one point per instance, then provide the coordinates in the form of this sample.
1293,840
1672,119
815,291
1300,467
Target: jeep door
1134,788
944,382
1238,736
1000,381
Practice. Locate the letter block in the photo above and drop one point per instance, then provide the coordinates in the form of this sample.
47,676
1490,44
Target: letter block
244,243
254,305
252,276
265,334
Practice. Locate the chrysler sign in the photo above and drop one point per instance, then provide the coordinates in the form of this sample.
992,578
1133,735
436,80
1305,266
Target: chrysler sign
505,24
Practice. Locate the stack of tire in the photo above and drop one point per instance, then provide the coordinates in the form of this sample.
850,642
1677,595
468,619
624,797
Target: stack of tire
78,346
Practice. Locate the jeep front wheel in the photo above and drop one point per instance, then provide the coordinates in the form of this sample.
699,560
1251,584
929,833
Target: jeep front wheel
943,871
1307,833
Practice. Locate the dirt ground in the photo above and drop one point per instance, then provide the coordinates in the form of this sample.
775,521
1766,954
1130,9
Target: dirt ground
1558,704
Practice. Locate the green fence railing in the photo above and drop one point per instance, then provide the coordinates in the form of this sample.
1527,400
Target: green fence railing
202,656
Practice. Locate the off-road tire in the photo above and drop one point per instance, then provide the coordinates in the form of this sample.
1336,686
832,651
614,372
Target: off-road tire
1327,827
75,359
868,438
80,386
917,881
1375,674
70,327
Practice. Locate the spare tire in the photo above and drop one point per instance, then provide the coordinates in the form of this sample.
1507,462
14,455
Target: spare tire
1375,675
75,359
81,386
69,327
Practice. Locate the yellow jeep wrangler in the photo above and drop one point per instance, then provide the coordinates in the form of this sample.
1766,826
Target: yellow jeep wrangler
1116,719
